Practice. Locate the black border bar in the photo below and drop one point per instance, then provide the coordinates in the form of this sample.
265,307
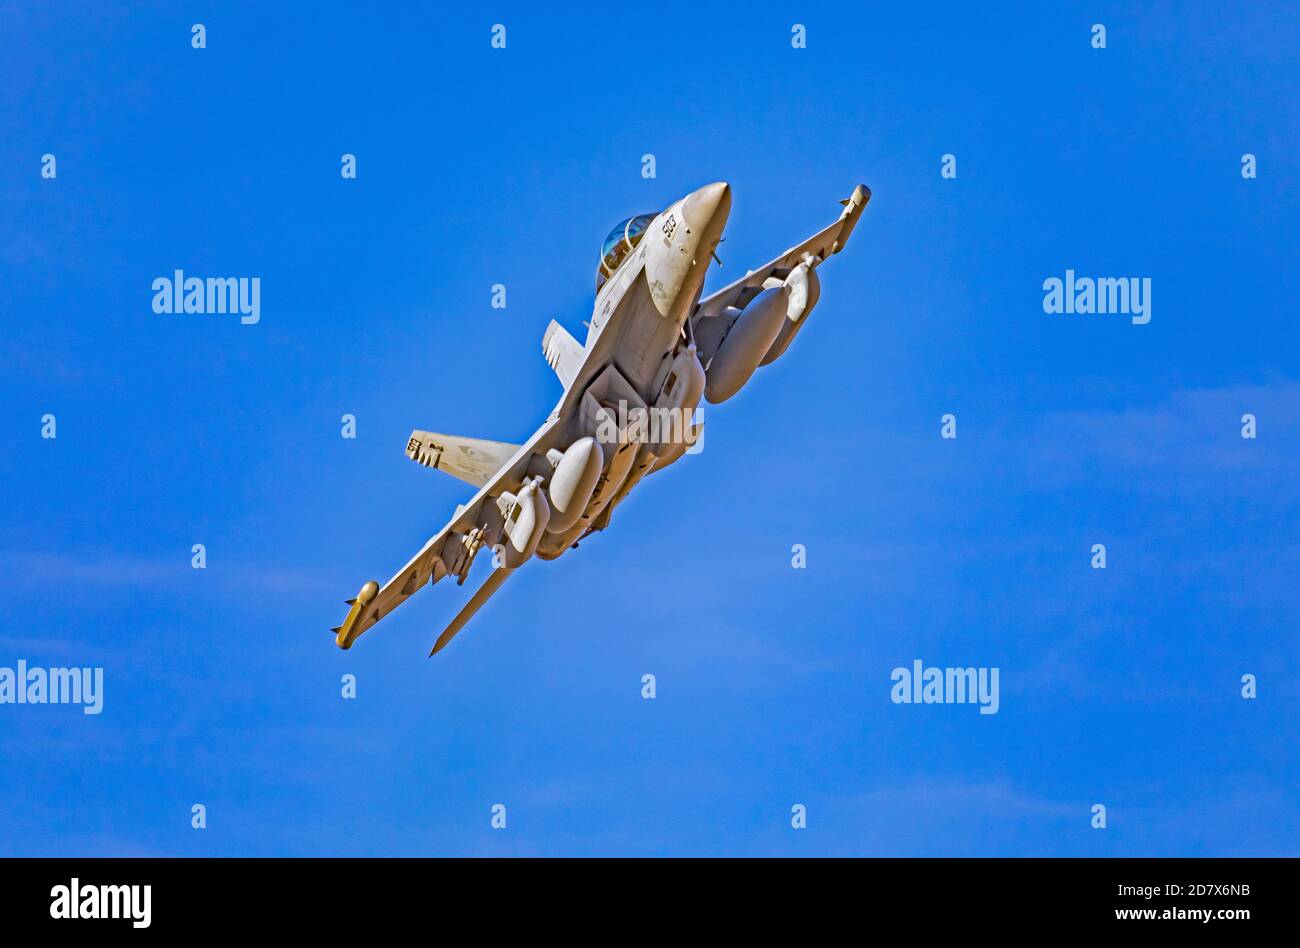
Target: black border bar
339,896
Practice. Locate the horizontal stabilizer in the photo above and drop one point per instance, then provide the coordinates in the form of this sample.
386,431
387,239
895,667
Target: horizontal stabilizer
563,353
472,460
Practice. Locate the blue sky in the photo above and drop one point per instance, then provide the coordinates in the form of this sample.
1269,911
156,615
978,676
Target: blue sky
479,166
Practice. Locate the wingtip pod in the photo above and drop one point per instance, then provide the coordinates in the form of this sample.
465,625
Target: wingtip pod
860,196
853,206
346,634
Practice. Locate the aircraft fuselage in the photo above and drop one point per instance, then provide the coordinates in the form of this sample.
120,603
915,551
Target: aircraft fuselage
637,330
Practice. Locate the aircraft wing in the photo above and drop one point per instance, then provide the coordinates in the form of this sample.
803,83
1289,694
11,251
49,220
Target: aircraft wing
821,245
449,551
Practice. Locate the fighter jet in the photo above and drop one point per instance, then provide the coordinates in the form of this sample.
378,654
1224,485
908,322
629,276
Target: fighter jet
654,350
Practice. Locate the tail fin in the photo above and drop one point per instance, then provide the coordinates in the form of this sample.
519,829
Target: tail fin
472,460
563,353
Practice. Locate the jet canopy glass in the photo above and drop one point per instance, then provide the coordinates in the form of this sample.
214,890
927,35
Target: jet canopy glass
622,240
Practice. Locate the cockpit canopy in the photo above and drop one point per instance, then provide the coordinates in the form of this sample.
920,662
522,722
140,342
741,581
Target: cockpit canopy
622,240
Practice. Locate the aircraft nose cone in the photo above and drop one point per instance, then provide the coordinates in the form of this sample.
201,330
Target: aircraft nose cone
703,206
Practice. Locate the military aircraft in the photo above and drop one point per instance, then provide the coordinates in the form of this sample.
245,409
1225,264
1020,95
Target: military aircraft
654,349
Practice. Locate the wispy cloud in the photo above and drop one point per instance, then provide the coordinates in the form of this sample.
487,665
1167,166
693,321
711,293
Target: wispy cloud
1189,438
42,570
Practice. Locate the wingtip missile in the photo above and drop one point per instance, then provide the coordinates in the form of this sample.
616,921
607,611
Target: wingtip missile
347,633
853,205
